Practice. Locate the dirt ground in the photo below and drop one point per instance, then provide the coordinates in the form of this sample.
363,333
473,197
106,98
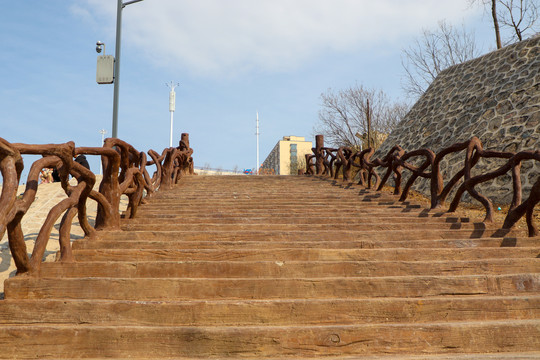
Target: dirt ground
475,211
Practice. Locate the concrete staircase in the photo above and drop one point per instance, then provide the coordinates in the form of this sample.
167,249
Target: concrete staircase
282,267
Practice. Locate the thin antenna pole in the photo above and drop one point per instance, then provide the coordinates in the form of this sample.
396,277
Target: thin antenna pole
257,133
368,116
170,137
102,132
172,106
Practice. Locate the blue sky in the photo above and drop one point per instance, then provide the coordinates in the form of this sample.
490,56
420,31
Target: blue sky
231,58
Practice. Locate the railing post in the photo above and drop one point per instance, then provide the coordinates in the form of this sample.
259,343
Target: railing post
319,144
185,139
187,166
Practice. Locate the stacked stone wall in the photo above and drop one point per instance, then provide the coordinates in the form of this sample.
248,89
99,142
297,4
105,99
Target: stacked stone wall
495,97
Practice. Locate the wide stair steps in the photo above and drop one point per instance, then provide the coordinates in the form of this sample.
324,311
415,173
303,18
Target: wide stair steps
282,267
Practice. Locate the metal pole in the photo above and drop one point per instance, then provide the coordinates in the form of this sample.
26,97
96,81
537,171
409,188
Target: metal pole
368,116
118,46
172,106
170,139
257,169
102,132
117,68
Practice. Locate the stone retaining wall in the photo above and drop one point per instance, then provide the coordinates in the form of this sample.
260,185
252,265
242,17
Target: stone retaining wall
495,97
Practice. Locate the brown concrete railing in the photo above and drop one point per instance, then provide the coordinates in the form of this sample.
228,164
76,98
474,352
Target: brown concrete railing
124,173
424,163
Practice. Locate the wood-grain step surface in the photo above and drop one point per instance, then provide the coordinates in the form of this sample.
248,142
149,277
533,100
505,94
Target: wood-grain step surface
268,341
249,267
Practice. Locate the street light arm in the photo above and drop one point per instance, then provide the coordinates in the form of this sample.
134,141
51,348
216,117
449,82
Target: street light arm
130,2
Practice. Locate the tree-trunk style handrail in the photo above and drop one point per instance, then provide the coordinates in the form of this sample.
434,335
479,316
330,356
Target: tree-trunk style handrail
398,159
124,173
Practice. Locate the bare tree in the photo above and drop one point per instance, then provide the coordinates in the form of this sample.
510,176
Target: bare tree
437,50
433,52
494,15
520,17
343,118
495,23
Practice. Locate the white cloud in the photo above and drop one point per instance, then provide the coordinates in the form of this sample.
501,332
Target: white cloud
216,37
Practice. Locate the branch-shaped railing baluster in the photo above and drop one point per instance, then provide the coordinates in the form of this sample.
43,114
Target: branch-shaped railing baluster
11,166
54,156
527,209
108,197
366,172
475,148
417,171
150,183
388,163
328,160
310,166
397,160
344,155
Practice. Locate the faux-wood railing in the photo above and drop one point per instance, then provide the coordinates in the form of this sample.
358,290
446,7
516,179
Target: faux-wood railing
124,173
424,163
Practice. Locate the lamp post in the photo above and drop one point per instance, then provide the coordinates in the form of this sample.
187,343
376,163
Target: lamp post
172,106
119,8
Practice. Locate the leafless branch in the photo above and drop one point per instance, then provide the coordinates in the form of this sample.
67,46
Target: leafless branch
433,52
343,115
519,17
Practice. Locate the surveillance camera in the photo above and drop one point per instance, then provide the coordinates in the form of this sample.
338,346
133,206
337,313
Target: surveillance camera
99,45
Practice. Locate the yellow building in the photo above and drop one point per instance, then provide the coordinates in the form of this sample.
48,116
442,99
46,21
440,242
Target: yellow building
287,156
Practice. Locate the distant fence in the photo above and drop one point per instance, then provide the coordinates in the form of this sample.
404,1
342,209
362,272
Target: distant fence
124,173
424,163
216,171
219,171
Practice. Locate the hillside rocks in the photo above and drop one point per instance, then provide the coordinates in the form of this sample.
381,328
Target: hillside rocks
496,98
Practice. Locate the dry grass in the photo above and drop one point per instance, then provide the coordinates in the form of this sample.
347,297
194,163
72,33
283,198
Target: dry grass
475,211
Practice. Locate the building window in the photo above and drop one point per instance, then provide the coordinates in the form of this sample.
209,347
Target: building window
294,160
